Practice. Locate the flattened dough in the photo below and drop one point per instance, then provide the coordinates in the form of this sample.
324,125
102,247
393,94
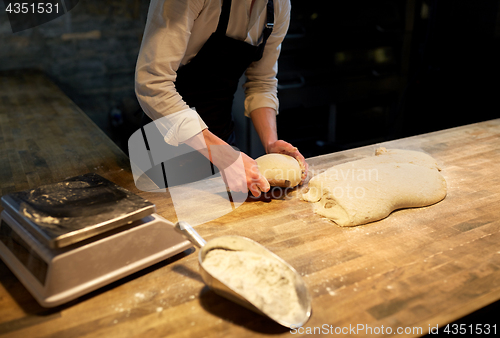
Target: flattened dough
280,170
369,189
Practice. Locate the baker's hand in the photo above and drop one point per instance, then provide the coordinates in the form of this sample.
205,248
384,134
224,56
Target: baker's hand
282,147
239,171
255,181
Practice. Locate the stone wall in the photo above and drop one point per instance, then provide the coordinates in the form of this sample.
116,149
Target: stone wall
90,52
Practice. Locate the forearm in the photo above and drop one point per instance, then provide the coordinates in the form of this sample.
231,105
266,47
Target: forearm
264,121
203,141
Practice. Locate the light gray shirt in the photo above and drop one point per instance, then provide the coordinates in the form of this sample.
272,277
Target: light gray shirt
175,32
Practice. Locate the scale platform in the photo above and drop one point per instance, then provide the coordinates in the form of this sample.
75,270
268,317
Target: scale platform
66,239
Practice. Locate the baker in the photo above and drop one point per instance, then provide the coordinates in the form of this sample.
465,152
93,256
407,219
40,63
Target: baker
192,55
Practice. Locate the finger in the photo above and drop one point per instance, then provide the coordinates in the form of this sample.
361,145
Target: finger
284,147
254,190
303,166
305,171
260,182
263,184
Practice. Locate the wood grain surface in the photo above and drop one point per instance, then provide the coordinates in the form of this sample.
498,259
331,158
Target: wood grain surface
416,269
45,137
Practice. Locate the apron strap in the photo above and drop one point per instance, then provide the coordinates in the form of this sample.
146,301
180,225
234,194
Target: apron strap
224,20
267,30
224,17
270,14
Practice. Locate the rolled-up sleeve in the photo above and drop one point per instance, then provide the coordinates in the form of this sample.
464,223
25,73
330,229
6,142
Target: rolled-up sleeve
261,85
163,47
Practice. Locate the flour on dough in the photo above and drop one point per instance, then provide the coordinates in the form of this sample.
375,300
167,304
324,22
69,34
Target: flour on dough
280,170
369,189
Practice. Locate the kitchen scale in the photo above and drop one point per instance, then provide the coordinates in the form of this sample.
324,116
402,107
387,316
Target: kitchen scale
69,238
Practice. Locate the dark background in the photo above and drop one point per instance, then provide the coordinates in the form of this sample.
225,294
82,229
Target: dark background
351,72
388,69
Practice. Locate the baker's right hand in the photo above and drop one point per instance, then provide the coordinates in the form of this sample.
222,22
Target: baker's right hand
256,183
239,171
236,167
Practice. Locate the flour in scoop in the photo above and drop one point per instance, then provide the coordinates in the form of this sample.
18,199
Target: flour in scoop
266,283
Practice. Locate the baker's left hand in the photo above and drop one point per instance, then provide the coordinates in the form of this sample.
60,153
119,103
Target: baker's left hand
283,147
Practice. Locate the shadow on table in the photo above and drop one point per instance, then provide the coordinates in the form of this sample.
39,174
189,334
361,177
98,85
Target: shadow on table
36,314
275,193
230,311
237,314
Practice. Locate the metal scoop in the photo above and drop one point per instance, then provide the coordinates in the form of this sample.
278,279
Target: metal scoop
238,243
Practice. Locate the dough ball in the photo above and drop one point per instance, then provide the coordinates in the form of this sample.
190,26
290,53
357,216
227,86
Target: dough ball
280,170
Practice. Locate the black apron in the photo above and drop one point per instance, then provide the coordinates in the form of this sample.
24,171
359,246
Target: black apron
210,80
208,83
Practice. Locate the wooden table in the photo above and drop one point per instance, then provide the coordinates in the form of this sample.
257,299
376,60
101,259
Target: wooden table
414,270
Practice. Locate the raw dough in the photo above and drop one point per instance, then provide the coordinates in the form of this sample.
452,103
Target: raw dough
280,170
369,189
